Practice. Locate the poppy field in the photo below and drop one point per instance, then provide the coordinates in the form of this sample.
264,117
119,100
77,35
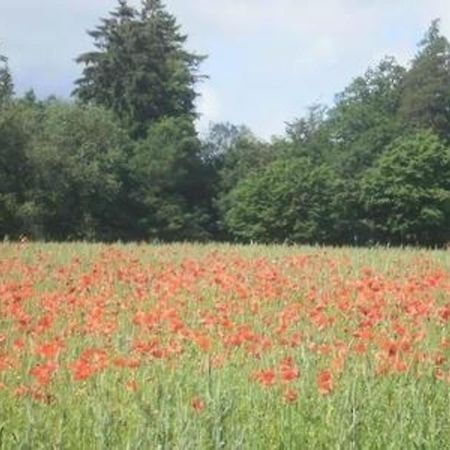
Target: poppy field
223,347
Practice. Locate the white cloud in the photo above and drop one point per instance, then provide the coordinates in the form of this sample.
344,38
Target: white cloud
301,17
268,59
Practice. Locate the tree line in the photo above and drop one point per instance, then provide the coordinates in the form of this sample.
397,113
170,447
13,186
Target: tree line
123,161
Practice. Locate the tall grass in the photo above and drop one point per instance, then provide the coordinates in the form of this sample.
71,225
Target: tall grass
223,347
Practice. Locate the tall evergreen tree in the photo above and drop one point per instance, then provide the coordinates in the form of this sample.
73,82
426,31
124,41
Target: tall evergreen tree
426,98
103,80
6,82
140,68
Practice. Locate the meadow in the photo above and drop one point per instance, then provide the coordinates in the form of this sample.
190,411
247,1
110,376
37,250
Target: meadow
223,347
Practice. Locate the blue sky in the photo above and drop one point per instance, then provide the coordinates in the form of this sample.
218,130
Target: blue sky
268,60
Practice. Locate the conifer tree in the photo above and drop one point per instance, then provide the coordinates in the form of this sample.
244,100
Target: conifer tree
6,83
140,68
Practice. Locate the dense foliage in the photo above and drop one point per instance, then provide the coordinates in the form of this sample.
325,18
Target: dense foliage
124,160
140,69
406,194
290,200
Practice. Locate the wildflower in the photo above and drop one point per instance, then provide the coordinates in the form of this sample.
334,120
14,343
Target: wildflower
21,391
90,362
127,363
41,396
361,348
44,373
132,385
198,404
325,382
82,370
291,396
203,342
289,371
50,350
19,344
265,377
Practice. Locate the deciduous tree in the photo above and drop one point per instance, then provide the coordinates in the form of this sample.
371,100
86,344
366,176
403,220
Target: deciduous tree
406,195
426,97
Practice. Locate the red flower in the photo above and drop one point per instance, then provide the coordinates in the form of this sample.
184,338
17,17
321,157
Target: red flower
265,377
198,404
325,382
291,396
22,390
44,373
82,370
50,350
289,371
90,362
132,385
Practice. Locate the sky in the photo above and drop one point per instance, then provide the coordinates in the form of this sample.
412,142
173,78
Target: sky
268,60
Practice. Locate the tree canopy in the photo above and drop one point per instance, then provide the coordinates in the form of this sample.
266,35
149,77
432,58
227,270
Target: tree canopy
292,200
124,159
6,82
406,195
140,68
425,101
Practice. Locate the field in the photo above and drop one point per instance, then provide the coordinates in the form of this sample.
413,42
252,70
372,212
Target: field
211,347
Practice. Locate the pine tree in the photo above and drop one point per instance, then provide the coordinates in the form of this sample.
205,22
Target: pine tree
140,68
426,98
6,83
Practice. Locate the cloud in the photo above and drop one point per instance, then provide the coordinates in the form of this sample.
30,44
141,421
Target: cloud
282,56
267,60
238,18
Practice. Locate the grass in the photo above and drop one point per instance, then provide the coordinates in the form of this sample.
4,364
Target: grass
223,347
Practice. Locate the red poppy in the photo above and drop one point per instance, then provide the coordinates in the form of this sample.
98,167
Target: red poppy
325,382
198,404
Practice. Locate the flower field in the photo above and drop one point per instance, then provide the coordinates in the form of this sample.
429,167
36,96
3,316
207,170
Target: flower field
211,347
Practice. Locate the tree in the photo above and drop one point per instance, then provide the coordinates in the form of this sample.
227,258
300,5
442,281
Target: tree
216,148
291,200
77,159
167,190
406,195
6,82
426,98
221,138
19,124
246,155
140,68
364,121
352,135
